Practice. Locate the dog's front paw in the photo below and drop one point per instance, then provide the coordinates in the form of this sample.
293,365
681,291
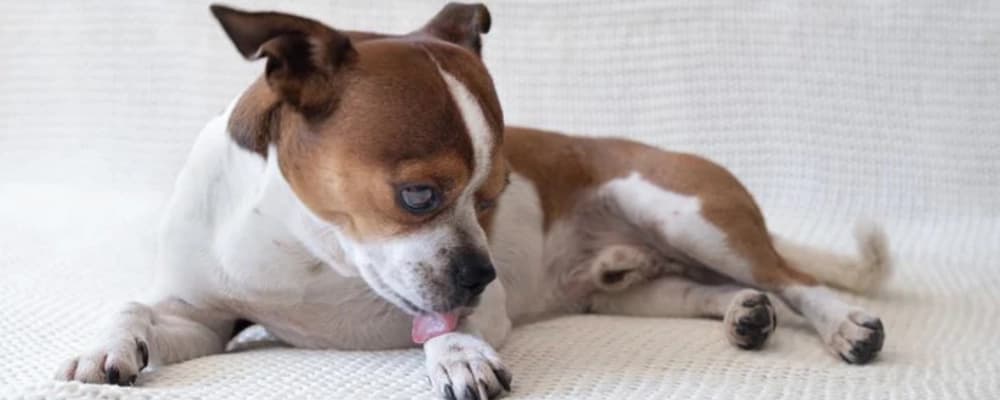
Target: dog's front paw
118,363
750,319
463,367
859,338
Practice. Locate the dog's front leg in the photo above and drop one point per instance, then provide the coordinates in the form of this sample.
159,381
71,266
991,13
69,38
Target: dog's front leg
167,332
464,364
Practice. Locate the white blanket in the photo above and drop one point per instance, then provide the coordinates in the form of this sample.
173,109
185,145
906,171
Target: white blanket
829,110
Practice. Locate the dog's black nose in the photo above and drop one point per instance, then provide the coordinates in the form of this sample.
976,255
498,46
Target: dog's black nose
472,270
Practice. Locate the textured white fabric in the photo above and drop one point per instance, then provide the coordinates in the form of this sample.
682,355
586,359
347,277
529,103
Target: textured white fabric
827,109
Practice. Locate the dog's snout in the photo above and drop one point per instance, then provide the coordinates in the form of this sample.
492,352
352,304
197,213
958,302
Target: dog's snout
472,270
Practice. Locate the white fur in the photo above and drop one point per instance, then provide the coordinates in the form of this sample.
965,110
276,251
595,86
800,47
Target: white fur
458,361
517,243
680,221
864,273
823,309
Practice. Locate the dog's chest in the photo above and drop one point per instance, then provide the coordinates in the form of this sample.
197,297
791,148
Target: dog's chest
277,282
523,254
262,259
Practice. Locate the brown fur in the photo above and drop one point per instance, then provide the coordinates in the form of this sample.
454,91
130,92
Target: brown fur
361,114
564,168
346,168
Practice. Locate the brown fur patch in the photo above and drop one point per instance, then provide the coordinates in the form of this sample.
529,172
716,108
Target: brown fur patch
396,123
563,168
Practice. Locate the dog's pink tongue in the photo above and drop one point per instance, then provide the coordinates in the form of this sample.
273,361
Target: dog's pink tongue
429,326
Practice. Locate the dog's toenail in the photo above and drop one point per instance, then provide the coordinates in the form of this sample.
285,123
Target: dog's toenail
143,352
471,393
113,375
504,378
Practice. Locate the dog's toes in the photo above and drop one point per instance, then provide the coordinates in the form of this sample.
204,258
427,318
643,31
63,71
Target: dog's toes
750,320
859,338
463,367
118,363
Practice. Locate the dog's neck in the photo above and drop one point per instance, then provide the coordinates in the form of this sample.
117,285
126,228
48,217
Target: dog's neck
277,201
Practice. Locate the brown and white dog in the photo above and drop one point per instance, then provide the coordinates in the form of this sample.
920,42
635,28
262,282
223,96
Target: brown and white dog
365,194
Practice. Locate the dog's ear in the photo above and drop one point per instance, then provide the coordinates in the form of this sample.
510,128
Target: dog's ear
303,55
460,24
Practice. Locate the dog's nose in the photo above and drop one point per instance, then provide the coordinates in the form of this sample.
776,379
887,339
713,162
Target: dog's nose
472,270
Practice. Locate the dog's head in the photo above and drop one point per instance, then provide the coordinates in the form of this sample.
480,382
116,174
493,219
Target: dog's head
390,142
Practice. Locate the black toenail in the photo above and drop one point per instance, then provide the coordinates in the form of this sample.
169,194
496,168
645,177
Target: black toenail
471,393
143,352
113,375
504,378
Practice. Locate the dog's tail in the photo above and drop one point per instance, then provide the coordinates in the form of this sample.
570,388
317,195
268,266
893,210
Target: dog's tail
865,272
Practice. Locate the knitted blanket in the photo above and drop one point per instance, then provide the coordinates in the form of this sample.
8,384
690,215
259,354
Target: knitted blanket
828,110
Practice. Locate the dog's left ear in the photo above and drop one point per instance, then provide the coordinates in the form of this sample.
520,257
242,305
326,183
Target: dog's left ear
460,24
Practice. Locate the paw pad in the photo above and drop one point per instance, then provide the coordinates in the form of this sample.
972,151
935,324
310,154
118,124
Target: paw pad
750,320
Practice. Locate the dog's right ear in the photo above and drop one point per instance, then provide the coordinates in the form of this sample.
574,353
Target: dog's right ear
303,55
461,24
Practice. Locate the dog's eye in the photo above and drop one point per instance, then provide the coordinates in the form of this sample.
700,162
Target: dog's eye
419,199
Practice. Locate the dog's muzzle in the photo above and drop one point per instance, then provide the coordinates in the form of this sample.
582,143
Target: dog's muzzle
471,271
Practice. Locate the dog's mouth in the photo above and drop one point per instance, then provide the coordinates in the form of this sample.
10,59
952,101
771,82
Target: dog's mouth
427,326
429,323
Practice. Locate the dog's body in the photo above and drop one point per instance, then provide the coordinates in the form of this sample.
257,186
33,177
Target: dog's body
584,225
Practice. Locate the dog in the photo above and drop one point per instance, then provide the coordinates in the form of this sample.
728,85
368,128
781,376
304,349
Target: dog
364,193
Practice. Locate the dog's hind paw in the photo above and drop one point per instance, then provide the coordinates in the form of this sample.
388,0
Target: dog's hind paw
859,338
750,320
465,367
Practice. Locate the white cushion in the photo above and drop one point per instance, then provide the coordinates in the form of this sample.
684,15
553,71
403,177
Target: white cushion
828,111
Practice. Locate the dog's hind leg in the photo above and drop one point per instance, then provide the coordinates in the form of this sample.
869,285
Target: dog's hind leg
748,316
724,231
167,332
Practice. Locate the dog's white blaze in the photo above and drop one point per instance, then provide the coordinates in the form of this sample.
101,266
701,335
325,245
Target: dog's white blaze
479,130
679,219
